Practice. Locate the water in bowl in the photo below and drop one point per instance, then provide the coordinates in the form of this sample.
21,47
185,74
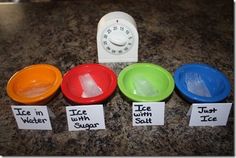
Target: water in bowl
34,91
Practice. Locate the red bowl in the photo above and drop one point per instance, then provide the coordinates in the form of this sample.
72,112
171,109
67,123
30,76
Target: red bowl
104,77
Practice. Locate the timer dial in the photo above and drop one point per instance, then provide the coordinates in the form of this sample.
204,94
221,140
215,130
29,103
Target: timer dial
117,39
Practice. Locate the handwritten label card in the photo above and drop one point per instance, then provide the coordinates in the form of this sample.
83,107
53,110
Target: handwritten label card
148,113
86,117
209,114
32,117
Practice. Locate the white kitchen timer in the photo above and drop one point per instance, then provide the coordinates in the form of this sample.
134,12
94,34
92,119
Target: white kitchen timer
117,38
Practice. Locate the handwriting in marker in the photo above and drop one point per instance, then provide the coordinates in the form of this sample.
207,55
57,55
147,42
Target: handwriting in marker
142,121
77,112
207,118
33,120
148,113
209,114
142,108
87,126
205,110
85,117
32,117
22,112
142,114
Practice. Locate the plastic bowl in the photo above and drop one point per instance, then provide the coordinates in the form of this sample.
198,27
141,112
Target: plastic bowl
145,82
35,84
201,83
104,79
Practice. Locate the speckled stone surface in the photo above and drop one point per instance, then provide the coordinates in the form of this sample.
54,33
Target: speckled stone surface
63,34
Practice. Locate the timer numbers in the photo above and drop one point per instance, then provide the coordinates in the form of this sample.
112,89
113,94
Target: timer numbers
117,39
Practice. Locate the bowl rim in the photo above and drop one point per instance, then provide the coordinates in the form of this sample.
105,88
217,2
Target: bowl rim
198,98
138,98
90,100
47,94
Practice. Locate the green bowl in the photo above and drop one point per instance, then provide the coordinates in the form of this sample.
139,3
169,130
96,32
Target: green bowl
144,82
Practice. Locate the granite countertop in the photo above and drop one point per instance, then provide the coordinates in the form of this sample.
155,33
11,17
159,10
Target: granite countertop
63,34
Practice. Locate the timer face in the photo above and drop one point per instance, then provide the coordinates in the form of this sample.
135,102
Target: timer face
117,39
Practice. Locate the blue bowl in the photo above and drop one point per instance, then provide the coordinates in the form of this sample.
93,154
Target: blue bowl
201,83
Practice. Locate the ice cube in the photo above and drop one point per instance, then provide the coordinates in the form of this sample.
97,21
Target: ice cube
89,86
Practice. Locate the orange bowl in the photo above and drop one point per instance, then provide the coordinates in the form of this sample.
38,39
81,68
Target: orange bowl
35,84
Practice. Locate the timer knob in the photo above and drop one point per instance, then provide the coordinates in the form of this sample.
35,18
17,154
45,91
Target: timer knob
118,39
